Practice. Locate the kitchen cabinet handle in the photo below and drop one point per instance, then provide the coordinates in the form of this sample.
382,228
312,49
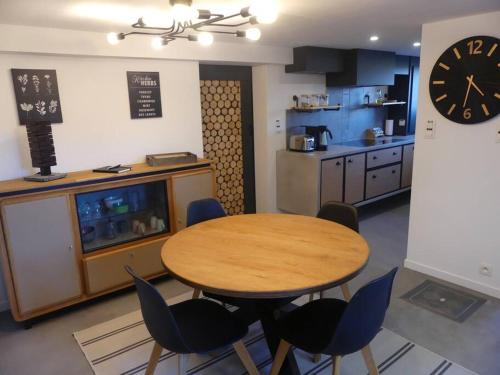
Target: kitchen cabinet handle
349,161
394,153
70,248
393,171
374,176
374,158
338,163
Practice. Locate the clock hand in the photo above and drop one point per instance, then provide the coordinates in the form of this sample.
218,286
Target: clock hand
468,88
471,81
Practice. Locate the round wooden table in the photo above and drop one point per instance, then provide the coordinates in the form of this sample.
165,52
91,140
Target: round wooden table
263,256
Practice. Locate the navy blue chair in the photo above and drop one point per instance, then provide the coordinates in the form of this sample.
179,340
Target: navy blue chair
193,326
198,212
203,210
335,327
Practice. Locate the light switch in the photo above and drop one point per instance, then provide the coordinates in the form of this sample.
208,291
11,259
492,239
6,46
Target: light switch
277,124
430,129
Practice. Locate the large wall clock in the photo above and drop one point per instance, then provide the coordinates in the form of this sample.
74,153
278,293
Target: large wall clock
465,81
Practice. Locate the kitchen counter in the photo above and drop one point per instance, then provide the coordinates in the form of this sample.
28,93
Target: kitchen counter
336,150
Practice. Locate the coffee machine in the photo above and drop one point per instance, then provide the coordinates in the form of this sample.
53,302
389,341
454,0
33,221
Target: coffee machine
320,134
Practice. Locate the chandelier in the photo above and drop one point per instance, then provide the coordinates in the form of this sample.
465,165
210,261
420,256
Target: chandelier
200,25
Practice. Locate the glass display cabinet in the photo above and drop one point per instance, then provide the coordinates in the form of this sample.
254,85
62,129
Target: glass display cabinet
120,215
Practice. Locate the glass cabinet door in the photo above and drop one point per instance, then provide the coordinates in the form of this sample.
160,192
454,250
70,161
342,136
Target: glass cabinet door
115,216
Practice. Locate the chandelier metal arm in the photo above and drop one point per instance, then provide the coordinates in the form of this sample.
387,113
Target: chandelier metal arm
205,19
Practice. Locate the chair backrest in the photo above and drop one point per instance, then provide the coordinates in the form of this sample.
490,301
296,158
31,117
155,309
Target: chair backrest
157,316
363,316
203,210
341,213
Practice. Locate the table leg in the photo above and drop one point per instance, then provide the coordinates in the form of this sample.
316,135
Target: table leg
366,351
268,321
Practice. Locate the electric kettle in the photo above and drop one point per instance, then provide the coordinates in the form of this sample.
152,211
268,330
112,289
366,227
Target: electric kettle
323,140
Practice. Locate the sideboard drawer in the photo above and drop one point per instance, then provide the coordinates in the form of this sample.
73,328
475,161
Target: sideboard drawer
107,271
381,157
383,180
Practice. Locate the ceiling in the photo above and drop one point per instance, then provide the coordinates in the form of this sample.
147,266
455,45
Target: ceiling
329,23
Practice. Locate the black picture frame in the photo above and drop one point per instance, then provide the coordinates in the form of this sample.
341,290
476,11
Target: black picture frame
37,95
144,95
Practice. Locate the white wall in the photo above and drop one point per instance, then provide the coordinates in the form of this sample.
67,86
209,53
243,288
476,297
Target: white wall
455,205
272,91
97,128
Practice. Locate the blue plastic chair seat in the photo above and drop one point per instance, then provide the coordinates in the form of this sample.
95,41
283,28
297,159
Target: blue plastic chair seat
311,327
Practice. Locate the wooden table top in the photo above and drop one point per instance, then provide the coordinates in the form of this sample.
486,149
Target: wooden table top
265,255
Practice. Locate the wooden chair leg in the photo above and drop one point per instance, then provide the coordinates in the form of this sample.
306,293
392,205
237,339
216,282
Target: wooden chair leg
280,356
311,297
370,362
322,294
153,359
181,364
196,293
245,358
336,365
366,351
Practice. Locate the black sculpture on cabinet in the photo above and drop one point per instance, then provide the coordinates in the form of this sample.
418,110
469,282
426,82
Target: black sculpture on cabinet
43,153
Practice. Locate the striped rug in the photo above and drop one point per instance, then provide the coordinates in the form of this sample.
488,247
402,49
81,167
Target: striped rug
122,346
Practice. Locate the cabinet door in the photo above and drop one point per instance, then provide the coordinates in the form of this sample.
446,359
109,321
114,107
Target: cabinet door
407,165
41,252
382,181
332,180
188,188
355,178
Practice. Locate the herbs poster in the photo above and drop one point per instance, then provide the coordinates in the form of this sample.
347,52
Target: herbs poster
144,94
37,95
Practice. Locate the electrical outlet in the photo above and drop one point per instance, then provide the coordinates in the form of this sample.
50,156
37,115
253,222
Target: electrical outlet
430,129
485,269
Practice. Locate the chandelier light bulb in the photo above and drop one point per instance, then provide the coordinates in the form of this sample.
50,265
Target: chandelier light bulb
253,34
205,39
157,43
184,13
265,11
113,38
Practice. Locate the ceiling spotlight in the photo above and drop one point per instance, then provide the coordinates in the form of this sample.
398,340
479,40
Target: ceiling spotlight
158,42
374,38
416,44
253,34
114,38
205,39
265,11
182,10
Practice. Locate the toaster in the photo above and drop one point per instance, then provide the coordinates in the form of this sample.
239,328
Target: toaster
302,143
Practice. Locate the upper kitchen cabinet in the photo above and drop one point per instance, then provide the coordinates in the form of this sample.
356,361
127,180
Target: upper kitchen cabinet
316,60
365,68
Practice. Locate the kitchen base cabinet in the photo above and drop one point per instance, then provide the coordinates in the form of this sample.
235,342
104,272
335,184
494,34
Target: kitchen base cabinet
332,180
382,181
354,175
354,178
67,241
406,174
42,256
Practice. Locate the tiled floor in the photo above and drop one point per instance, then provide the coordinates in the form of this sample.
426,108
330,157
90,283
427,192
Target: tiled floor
49,348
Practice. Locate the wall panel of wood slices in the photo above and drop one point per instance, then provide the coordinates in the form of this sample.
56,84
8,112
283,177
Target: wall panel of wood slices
222,140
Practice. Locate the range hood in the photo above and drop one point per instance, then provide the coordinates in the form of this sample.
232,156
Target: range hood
316,60
345,67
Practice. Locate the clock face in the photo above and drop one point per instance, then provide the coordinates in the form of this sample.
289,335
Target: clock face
465,81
